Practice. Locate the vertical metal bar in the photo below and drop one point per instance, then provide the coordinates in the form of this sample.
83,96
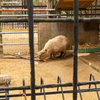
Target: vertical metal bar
8,90
53,3
1,47
42,83
5,90
92,76
80,93
59,81
95,7
88,10
25,11
22,7
24,91
76,7
31,39
71,13
22,12
24,85
85,13
91,10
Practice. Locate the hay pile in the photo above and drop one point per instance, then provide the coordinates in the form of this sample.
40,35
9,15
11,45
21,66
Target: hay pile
88,45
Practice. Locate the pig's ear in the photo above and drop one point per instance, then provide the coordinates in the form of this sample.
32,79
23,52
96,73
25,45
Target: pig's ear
46,50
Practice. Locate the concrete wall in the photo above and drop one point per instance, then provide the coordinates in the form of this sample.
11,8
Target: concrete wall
88,32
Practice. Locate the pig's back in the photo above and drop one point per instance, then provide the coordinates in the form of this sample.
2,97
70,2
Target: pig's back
59,42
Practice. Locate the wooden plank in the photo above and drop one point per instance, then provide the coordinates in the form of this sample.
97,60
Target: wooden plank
68,4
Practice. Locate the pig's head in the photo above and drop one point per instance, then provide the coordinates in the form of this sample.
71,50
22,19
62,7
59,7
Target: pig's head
43,54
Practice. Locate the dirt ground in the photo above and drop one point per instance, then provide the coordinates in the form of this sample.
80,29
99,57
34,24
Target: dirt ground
18,69
93,58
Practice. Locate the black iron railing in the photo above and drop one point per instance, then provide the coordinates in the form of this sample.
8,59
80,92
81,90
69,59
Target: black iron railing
42,88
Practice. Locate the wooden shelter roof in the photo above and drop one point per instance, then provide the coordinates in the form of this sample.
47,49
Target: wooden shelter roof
68,4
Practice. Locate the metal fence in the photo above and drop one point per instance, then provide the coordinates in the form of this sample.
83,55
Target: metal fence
14,35
75,83
57,88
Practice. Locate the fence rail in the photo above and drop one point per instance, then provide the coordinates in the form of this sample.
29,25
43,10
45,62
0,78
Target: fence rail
42,88
68,19
27,10
17,44
41,15
11,2
21,32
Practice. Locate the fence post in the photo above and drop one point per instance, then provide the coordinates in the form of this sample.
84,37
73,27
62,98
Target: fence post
49,6
31,40
1,47
75,78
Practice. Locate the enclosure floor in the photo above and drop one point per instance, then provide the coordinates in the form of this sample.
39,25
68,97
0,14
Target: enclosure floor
93,58
18,69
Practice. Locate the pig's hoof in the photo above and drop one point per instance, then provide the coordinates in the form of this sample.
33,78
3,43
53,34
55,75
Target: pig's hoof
53,58
44,60
63,57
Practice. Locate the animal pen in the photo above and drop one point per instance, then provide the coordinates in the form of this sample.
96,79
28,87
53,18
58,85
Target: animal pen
92,16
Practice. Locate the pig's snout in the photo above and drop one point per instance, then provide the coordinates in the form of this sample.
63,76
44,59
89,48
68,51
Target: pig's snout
39,53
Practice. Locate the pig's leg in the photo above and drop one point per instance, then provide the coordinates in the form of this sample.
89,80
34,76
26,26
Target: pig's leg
63,54
51,56
54,57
